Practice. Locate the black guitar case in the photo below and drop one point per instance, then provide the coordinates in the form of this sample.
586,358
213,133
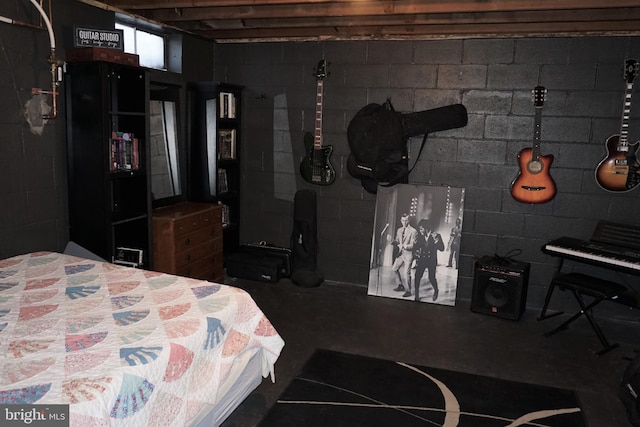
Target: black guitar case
304,241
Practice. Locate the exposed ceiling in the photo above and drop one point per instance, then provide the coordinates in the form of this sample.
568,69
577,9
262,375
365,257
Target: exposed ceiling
273,20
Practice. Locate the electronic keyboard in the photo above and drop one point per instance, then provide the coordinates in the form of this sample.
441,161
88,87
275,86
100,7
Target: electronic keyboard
612,245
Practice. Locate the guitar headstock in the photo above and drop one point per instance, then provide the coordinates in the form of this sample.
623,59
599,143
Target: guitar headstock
539,94
321,69
630,70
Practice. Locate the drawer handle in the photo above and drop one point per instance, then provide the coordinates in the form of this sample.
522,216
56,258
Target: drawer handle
187,241
188,257
212,233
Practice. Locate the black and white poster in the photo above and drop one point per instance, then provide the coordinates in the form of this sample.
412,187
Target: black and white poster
416,241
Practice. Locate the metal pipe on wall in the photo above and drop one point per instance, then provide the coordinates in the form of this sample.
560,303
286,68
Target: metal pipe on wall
53,62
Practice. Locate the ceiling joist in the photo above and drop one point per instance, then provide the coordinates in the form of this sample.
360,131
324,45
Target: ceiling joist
266,20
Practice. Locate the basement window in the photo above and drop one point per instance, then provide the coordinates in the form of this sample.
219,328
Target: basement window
148,46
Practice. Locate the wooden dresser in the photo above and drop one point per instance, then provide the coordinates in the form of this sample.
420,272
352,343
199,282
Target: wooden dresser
187,240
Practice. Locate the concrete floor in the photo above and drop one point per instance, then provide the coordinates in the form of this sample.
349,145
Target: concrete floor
344,318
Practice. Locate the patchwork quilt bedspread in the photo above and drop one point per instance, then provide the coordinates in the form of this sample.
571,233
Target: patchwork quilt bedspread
122,346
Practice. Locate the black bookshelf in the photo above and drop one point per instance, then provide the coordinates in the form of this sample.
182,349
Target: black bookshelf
215,115
108,178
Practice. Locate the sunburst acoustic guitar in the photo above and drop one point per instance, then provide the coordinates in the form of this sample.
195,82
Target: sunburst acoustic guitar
619,170
316,167
534,183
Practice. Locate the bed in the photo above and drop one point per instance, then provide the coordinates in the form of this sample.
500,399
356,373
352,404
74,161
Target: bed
125,346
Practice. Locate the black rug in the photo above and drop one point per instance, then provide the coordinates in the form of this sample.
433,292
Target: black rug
337,389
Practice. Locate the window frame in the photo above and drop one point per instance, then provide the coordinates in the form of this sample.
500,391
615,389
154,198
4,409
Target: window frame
146,30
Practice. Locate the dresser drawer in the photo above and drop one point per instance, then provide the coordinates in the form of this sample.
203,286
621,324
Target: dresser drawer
206,268
195,252
193,222
195,238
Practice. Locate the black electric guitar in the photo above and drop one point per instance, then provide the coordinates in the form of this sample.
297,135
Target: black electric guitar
619,170
534,184
316,167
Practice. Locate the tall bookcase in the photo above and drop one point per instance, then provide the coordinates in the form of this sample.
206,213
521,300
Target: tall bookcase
107,132
214,165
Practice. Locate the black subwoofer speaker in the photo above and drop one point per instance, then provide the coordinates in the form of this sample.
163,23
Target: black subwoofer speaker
500,287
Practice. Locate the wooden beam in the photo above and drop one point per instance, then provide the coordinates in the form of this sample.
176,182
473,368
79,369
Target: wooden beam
623,14
424,32
441,5
371,8
170,4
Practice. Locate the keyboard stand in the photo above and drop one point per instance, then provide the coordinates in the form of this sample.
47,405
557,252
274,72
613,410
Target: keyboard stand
590,291
598,290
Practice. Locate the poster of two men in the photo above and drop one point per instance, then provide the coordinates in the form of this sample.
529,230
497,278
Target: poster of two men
415,243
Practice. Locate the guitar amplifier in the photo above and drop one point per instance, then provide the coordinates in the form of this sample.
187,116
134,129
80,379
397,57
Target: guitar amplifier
500,287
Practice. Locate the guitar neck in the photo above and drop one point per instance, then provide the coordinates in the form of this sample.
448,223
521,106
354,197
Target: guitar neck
535,151
317,140
623,144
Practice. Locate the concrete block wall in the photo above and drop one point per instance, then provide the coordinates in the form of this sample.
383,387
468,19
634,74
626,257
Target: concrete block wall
493,78
33,164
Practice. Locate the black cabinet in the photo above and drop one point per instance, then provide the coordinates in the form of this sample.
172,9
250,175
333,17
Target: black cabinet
108,178
214,155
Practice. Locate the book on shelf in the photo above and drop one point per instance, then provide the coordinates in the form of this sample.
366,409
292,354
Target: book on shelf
223,184
124,152
225,215
226,144
227,105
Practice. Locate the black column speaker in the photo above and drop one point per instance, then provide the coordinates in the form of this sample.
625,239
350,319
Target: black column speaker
500,287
